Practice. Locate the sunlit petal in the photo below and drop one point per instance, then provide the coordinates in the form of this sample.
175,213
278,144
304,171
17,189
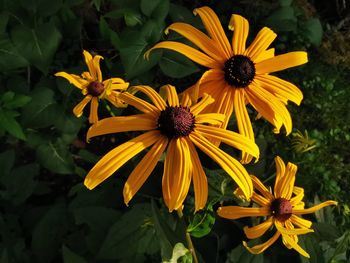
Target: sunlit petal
93,117
258,230
152,94
314,208
261,42
73,79
140,104
78,109
235,212
262,247
210,118
240,27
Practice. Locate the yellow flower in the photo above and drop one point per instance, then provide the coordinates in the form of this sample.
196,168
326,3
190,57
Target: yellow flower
175,128
237,75
94,88
281,208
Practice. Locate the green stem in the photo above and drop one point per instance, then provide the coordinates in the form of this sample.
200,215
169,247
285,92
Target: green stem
188,238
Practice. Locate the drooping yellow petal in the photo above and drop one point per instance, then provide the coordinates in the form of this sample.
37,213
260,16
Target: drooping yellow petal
235,212
300,222
288,224
210,118
78,109
114,159
314,208
140,104
113,98
111,84
96,64
187,51
93,117
240,27
229,164
152,94
90,63
200,106
270,53
280,171
231,138
299,195
144,168
280,87
171,95
261,42
200,183
295,245
140,122
243,121
213,26
258,230
281,62
286,185
295,231
198,38
258,185
77,81
262,247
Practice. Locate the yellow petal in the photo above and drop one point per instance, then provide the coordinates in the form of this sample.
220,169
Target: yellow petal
140,122
286,185
200,183
280,87
235,212
314,208
262,247
290,226
270,53
243,121
144,168
73,79
113,98
300,222
93,117
90,63
200,106
295,246
260,200
78,109
140,104
152,94
187,51
210,118
261,42
258,230
198,38
299,195
213,26
171,95
295,231
185,100
96,64
240,27
258,185
229,164
281,62
114,159
231,138
224,104
114,84
168,173
280,170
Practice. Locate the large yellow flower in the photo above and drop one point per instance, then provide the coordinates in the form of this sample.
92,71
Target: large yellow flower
94,88
281,208
175,128
238,75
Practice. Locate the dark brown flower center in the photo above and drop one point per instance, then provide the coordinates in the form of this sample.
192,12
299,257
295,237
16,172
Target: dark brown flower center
95,88
239,71
175,122
281,209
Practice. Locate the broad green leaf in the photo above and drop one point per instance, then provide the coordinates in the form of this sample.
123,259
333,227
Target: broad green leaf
7,97
10,57
9,124
48,234
326,231
42,7
17,102
161,11
38,45
283,19
55,157
313,31
132,19
202,223
176,66
104,28
148,6
70,257
180,252
151,31
88,156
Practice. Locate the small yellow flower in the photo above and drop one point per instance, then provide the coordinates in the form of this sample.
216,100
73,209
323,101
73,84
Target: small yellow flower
176,128
281,208
237,75
93,87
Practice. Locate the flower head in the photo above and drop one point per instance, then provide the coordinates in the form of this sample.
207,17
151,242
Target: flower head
176,129
93,87
237,75
282,208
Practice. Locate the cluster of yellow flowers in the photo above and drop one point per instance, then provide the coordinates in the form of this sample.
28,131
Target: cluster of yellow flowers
177,124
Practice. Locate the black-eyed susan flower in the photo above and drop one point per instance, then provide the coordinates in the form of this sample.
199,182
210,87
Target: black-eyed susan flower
176,129
93,87
282,209
237,75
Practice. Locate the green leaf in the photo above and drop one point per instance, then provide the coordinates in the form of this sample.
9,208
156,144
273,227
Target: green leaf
202,223
48,234
313,31
326,231
132,19
38,45
132,237
240,254
176,65
4,17
148,6
55,157
283,19
285,2
180,252
18,101
179,13
10,57
104,28
312,245
9,124
70,257
7,160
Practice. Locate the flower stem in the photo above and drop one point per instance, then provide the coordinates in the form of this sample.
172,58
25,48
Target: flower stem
188,238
